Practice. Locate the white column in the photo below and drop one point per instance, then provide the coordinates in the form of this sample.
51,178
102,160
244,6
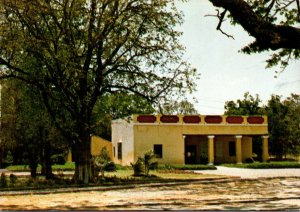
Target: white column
265,148
211,149
238,149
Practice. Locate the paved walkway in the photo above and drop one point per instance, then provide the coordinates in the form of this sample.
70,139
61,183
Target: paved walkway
253,173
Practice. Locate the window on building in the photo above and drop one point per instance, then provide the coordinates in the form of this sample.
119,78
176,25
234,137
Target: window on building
119,151
114,151
231,148
157,148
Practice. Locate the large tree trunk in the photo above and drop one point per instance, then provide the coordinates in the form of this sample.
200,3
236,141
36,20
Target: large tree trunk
47,164
81,152
1,157
33,159
33,168
46,150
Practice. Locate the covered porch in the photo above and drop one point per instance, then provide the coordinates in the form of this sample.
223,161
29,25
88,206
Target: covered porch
210,149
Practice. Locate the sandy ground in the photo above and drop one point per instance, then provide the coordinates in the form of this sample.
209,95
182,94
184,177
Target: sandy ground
256,193
264,194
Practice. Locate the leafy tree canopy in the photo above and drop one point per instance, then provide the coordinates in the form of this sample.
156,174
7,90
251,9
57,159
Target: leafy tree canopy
273,23
75,51
179,107
26,129
115,106
248,106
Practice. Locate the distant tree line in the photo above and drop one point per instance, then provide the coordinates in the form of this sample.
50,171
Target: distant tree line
283,122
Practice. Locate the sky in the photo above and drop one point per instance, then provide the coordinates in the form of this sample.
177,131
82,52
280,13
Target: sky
227,74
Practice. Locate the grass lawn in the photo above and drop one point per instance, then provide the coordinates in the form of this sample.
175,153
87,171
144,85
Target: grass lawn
119,177
266,165
71,167
55,167
161,175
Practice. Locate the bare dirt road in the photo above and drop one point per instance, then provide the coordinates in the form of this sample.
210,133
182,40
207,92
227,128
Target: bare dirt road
262,194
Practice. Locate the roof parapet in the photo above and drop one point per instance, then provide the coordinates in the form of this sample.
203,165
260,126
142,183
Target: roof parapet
200,119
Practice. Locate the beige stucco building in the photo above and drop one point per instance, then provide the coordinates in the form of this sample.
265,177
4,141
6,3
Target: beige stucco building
186,139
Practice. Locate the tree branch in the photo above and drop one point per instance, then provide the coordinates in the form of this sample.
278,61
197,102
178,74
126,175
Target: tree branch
268,35
298,8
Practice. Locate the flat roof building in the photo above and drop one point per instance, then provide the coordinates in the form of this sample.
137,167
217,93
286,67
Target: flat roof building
188,139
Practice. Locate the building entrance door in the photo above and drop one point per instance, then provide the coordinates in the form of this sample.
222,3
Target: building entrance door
190,154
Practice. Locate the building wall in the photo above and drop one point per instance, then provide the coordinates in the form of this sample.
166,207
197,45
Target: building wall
138,137
170,137
98,143
123,133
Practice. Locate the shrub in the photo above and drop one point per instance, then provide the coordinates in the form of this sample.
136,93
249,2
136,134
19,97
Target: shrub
144,164
58,159
110,167
138,167
249,160
103,162
266,165
13,179
9,158
120,167
29,182
148,161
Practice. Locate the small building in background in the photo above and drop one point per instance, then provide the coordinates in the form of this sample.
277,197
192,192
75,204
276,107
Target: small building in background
97,143
188,139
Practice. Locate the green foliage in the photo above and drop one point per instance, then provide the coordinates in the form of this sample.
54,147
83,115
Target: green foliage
9,158
143,164
277,112
58,158
120,167
293,126
20,168
283,122
187,167
110,167
149,161
282,13
55,167
248,106
76,53
267,165
27,128
262,19
138,167
115,106
13,179
69,166
179,107
103,162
